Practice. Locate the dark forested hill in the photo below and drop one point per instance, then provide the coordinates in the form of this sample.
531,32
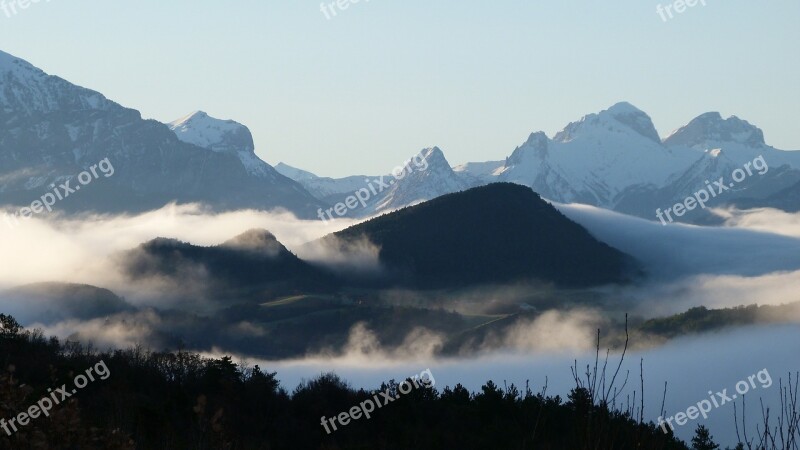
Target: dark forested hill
492,234
249,263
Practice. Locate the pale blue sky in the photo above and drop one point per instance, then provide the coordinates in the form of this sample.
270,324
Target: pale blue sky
364,91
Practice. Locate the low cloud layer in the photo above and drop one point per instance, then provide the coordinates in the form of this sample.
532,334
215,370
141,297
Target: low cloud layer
762,219
77,249
753,259
678,250
691,367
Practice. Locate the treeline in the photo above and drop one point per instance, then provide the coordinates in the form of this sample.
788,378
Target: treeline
702,320
180,400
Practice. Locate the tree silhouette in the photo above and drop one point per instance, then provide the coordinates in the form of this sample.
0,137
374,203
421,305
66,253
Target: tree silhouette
9,325
703,440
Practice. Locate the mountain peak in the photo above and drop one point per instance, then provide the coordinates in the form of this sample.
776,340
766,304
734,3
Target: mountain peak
258,241
622,108
429,176
634,118
434,156
217,135
430,159
536,147
711,116
620,117
197,115
710,129
537,139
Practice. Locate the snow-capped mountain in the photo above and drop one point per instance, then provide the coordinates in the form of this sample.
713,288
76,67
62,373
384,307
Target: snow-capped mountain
425,176
202,130
595,160
710,130
615,159
222,136
726,145
329,190
51,130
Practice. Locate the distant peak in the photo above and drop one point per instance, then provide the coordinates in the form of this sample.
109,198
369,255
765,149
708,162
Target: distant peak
430,151
636,119
710,128
218,135
620,116
709,116
537,139
624,108
434,155
188,118
535,147
197,115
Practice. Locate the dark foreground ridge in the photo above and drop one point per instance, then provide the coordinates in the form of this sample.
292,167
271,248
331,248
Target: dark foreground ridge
497,233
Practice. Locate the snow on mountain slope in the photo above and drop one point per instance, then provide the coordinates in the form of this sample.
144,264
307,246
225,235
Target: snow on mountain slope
596,159
728,145
428,176
294,173
51,130
710,130
217,135
479,169
222,136
28,89
735,138
330,190
613,159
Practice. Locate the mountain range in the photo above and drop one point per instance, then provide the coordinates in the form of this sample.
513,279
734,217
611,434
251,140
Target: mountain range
51,130
614,159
